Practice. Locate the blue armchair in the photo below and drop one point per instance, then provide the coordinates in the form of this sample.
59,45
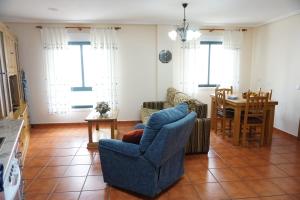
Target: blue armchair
158,161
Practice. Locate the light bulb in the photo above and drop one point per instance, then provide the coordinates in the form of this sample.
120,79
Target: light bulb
172,35
189,35
192,35
197,34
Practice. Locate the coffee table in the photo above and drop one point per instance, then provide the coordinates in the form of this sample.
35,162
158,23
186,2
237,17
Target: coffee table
95,118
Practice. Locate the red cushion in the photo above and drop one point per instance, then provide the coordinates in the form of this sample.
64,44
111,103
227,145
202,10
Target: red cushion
133,136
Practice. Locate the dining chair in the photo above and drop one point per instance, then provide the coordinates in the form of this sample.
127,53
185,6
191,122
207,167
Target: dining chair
254,117
223,113
262,93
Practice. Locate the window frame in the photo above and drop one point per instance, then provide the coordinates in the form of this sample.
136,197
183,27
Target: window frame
83,87
209,43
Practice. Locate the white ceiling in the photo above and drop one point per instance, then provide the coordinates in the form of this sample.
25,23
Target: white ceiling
200,12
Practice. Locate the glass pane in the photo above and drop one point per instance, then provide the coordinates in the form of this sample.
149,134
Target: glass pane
75,65
203,58
82,98
221,65
91,65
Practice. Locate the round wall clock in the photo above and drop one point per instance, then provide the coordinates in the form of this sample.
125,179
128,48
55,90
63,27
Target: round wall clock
165,56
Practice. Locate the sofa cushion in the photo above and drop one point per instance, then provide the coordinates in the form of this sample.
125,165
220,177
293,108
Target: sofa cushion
170,96
145,114
167,105
158,119
181,98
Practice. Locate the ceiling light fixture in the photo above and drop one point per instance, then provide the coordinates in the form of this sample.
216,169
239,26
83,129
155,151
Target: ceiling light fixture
183,31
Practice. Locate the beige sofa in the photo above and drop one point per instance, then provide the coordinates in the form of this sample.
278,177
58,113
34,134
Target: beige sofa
199,139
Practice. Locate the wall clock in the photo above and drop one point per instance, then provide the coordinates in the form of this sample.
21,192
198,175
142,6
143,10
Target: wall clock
165,56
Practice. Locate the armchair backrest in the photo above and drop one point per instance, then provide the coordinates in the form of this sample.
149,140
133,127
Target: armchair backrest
170,140
157,120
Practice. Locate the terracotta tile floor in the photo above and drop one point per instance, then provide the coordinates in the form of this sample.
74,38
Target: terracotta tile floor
58,166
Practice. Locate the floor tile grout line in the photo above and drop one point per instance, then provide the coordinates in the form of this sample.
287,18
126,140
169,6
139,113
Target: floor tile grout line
83,183
36,176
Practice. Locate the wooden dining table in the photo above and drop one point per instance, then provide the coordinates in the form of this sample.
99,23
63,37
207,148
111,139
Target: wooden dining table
238,105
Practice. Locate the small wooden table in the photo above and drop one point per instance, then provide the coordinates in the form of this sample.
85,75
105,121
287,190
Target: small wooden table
94,117
238,105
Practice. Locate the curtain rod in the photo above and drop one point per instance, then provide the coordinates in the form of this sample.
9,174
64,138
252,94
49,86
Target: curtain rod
80,27
220,29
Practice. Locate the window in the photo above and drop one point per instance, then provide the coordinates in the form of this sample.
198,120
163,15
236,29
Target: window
217,65
81,91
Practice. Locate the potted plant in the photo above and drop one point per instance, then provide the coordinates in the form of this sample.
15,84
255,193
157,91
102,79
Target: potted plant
102,107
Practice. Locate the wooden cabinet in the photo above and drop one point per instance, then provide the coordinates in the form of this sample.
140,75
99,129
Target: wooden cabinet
12,105
22,113
11,56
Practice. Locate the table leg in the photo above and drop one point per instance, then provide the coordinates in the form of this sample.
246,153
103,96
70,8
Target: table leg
90,131
236,128
112,129
116,124
269,127
97,126
213,115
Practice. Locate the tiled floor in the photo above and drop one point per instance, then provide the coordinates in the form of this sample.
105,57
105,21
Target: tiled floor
58,166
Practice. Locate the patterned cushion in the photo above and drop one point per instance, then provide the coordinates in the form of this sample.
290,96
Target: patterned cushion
158,120
167,105
145,114
170,95
181,98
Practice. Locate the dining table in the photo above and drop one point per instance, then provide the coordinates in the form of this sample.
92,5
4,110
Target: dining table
238,104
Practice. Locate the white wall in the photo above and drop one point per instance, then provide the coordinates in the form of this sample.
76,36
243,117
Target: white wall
138,72
164,70
276,65
143,76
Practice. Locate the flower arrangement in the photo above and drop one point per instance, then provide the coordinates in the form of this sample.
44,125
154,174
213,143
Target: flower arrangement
102,107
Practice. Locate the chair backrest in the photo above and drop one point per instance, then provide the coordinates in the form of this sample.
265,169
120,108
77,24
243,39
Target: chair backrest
170,140
226,90
256,107
220,98
263,93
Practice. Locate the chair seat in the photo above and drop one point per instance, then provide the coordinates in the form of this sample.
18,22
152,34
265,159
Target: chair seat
229,113
253,120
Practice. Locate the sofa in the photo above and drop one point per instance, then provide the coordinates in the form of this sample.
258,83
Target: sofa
200,137
157,161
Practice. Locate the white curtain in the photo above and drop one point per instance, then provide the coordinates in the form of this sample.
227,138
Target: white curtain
55,43
105,53
189,66
232,43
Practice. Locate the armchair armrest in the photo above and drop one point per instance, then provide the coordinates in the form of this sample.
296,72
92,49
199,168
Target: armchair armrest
120,147
154,105
198,107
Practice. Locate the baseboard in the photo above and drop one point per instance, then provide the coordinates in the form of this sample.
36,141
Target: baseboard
286,133
45,125
299,130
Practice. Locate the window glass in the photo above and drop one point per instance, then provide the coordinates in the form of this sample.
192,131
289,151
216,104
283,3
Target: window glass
203,75
75,65
91,65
